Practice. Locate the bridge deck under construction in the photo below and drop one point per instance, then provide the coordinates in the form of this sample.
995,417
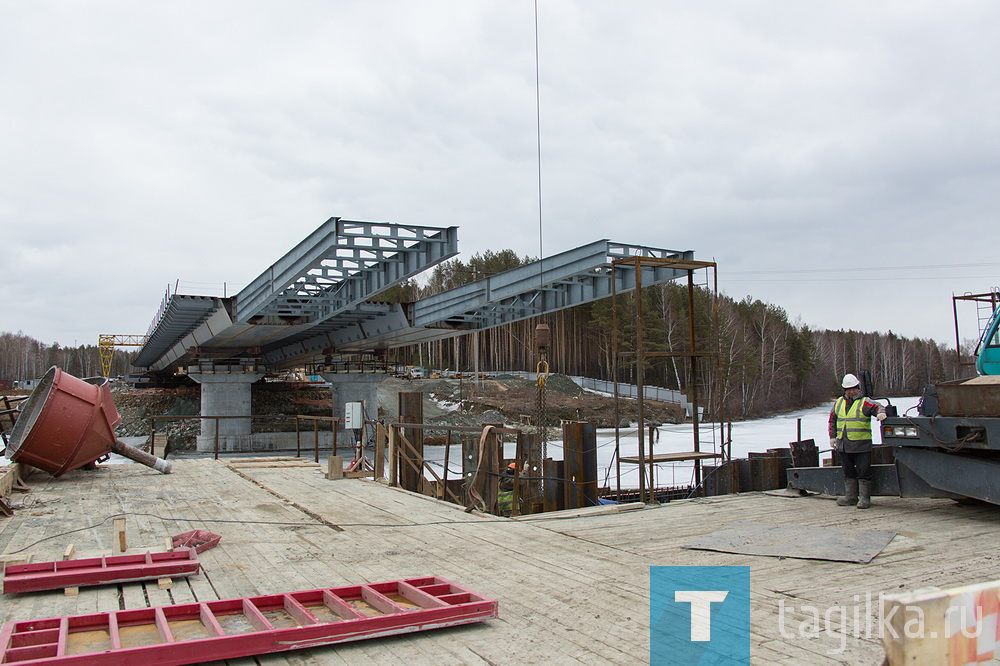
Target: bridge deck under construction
321,298
571,588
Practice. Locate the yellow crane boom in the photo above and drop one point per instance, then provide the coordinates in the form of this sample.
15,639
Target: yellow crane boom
106,346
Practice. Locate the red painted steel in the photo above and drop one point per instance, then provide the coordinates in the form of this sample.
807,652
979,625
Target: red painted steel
67,423
99,571
233,628
200,540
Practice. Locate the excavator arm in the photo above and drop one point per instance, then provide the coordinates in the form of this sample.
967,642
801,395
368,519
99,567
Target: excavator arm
988,361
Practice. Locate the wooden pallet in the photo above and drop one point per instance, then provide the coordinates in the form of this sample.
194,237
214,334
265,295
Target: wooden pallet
70,573
232,628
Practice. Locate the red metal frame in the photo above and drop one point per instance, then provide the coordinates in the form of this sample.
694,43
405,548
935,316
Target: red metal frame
99,571
232,628
200,540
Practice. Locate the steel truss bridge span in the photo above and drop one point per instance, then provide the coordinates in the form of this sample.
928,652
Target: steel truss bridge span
321,298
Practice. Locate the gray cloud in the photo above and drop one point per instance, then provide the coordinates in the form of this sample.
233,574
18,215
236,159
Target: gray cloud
148,143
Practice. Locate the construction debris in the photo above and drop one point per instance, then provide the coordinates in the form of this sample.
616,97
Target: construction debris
200,540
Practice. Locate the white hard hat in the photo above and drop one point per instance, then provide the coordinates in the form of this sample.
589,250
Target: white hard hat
850,381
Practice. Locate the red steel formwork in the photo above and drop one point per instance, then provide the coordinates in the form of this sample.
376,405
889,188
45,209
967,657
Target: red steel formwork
206,631
99,571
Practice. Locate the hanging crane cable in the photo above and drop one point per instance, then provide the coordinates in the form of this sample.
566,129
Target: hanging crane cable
541,330
538,148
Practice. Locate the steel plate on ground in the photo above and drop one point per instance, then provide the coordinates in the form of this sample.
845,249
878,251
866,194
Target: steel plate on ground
799,541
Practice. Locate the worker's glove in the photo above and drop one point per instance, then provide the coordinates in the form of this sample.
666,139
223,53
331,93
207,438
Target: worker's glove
834,444
881,416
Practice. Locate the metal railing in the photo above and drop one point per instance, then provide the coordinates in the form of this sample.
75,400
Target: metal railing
248,440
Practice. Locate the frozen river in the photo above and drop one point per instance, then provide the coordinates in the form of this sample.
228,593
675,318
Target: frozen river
748,436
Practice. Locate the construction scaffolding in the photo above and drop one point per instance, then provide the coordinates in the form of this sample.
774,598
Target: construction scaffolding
639,356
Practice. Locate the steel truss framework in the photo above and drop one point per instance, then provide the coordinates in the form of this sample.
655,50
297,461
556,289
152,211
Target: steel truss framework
342,264
317,300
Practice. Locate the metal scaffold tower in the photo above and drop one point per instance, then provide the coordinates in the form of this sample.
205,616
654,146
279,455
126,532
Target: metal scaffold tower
647,459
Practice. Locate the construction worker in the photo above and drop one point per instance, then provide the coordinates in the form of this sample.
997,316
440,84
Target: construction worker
851,435
505,496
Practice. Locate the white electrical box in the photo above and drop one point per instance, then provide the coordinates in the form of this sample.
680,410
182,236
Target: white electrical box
353,416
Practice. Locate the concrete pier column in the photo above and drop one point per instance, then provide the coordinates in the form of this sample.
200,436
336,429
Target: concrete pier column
225,393
353,387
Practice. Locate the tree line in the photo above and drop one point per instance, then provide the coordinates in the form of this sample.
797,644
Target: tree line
23,357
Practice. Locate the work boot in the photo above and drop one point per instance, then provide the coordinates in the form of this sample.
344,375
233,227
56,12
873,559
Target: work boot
851,493
866,494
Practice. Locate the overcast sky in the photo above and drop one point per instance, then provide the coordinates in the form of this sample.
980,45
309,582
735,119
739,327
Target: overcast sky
839,159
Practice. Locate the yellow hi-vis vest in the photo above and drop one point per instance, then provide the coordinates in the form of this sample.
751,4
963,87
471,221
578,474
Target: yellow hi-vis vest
851,421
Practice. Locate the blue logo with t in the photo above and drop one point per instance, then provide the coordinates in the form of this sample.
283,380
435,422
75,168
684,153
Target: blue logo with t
697,615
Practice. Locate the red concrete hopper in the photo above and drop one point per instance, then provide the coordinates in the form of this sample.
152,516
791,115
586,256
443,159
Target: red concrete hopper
68,423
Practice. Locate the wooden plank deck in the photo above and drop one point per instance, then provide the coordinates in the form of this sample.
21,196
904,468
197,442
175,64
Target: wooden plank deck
570,589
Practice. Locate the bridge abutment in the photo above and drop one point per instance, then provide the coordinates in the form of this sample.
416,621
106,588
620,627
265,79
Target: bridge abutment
225,392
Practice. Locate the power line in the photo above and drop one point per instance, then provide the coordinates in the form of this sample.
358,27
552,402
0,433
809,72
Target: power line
863,268
862,279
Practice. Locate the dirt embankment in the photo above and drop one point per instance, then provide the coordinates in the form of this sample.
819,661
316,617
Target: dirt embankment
465,402
515,401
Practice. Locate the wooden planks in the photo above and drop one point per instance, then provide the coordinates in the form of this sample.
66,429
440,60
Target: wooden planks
602,510
956,626
160,445
119,541
13,476
574,588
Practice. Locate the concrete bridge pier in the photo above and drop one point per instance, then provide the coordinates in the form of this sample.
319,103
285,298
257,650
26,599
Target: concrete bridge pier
353,387
225,391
